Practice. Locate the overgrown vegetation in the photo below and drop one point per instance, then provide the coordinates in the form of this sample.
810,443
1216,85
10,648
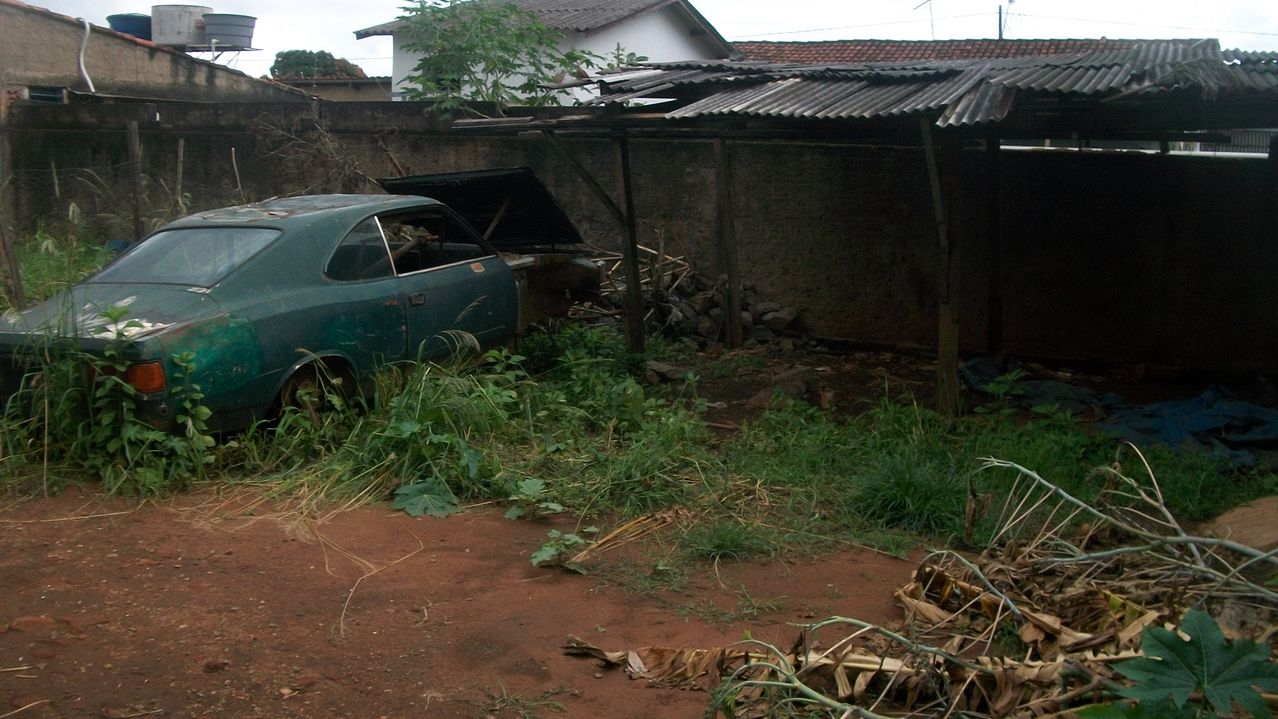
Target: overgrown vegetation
567,426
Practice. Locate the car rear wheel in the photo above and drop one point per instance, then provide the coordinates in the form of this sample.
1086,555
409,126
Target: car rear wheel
314,391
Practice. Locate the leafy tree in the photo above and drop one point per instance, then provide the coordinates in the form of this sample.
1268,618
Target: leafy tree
485,51
309,63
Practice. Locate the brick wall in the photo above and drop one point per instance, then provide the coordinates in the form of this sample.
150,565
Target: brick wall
1106,257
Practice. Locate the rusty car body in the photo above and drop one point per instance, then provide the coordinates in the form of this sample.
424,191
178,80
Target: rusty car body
269,296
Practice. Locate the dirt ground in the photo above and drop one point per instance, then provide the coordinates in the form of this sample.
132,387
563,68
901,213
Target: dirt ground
113,610
194,608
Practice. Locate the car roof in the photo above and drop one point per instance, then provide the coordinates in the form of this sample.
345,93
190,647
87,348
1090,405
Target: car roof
286,211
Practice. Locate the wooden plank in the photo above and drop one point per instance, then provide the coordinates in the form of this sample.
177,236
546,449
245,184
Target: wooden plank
947,328
728,241
994,244
135,172
12,272
589,179
634,297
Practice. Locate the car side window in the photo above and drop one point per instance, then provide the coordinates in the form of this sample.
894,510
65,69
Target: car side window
426,240
361,256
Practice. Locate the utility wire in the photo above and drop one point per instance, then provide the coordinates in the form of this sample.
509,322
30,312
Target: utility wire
854,27
1149,24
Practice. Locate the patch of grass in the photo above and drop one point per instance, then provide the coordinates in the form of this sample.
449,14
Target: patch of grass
51,261
726,539
734,363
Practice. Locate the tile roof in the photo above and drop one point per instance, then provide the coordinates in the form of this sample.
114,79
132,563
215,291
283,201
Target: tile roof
579,15
843,51
588,15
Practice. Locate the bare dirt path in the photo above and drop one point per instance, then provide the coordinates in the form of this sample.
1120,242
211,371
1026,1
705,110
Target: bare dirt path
158,611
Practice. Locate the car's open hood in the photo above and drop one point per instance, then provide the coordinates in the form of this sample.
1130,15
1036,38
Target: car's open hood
531,217
87,311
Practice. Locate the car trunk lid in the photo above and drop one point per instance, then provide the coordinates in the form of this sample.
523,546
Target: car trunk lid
511,205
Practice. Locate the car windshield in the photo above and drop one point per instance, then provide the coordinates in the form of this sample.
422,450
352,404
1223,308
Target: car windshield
198,256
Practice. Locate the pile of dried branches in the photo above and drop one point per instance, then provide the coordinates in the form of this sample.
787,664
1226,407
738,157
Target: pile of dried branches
1031,627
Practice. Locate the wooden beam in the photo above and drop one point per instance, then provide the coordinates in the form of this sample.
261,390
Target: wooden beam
586,177
135,172
12,272
994,245
947,328
634,297
728,241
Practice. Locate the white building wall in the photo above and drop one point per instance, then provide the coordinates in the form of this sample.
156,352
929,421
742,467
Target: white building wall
662,35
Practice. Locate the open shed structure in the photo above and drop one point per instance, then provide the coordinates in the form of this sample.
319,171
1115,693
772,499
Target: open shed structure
960,118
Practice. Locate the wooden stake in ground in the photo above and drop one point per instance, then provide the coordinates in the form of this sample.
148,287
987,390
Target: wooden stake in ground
12,274
135,171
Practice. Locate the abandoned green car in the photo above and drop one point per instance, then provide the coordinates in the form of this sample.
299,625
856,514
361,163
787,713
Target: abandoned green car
273,297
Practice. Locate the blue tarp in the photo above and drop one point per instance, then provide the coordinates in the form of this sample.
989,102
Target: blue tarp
1214,420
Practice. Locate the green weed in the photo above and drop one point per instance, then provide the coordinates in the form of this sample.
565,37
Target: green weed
726,539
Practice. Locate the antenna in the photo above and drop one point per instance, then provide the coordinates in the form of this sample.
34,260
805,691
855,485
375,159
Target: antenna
931,16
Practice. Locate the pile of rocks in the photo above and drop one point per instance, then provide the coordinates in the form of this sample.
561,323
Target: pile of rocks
679,302
701,311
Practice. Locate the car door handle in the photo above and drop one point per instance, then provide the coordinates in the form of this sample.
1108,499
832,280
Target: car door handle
417,298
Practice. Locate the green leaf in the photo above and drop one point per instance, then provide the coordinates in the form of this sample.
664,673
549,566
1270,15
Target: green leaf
515,512
430,497
545,554
530,488
1226,672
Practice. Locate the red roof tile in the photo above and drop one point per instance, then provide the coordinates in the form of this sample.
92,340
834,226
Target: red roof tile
852,51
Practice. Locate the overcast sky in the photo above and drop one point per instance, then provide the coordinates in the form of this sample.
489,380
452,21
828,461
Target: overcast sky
329,24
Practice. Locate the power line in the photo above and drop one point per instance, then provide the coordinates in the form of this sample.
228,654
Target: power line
854,27
1094,21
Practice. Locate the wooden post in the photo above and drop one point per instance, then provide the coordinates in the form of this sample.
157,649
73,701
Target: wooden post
947,328
728,241
177,181
12,273
589,179
634,297
135,169
994,243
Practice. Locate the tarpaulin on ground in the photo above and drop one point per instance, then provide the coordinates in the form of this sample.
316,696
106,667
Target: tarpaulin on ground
1214,420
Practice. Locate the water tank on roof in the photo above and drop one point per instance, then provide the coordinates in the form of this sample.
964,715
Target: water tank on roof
131,23
226,30
178,24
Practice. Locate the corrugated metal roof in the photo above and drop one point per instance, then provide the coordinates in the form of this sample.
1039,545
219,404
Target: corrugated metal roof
964,91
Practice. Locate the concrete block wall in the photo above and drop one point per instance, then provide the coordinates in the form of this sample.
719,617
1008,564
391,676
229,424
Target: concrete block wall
1106,257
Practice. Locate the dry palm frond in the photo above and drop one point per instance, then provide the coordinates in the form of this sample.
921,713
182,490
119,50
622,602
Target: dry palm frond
1029,628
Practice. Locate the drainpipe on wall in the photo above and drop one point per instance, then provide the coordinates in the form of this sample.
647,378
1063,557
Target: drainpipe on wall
83,44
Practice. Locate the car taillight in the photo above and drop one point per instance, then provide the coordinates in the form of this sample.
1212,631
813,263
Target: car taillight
146,377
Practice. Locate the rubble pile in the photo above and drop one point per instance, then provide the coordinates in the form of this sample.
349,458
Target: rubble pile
680,302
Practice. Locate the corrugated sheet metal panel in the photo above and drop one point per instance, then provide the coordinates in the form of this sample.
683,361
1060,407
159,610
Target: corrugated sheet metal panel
984,103
1085,80
968,91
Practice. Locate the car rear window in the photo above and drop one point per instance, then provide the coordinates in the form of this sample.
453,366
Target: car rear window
198,256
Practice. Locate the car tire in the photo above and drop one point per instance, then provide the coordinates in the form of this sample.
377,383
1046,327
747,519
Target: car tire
310,391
